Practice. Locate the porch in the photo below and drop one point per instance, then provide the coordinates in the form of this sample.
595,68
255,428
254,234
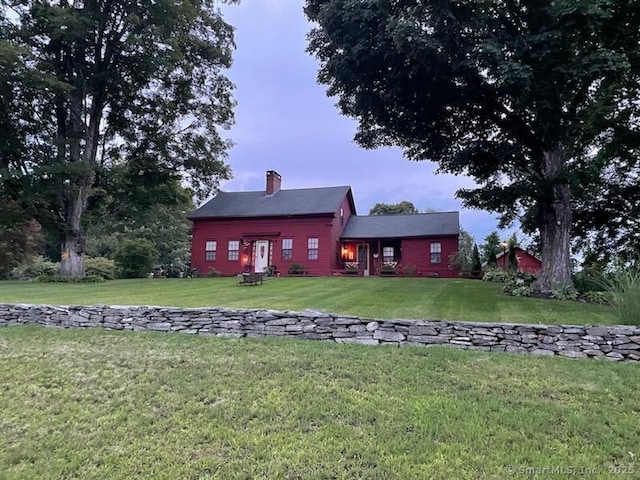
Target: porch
370,257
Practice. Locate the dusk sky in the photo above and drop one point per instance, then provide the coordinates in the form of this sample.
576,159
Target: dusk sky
286,122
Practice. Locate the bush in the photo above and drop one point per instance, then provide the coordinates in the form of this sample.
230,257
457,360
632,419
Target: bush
603,298
135,258
295,269
409,271
35,268
58,279
516,290
518,284
498,275
100,267
564,292
624,288
174,272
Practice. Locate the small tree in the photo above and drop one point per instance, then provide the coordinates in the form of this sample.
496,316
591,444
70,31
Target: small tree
512,259
476,264
490,249
135,258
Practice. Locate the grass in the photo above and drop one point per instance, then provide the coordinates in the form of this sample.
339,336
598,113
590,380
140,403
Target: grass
413,298
95,404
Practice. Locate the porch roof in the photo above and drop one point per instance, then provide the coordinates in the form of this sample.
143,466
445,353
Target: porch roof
402,226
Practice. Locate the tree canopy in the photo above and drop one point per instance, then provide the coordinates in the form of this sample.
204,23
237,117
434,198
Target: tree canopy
490,249
534,99
88,87
401,208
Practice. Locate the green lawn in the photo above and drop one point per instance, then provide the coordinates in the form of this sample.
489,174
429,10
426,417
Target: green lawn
424,298
95,404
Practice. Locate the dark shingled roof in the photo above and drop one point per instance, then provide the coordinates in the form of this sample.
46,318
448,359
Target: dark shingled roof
402,226
303,201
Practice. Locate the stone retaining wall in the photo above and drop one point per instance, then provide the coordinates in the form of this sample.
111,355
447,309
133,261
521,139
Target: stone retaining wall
611,343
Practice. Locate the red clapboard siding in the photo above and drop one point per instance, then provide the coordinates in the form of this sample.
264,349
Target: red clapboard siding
416,252
299,229
527,263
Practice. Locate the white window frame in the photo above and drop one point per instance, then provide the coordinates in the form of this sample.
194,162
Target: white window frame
287,248
313,246
210,250
435,250
388,254
233,251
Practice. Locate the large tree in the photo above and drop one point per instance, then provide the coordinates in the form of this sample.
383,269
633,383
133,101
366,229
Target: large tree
90,85
526,96
401,208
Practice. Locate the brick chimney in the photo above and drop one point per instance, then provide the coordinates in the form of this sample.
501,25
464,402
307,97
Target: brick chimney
274,180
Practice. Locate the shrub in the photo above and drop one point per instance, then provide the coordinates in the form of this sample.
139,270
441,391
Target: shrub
35,268
624,288
516,290
174,272
498,275
564,292
410,271
47,278
135,258
295,269
100,267
518,284
603,298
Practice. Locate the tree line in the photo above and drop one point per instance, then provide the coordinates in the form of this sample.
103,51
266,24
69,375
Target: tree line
106,107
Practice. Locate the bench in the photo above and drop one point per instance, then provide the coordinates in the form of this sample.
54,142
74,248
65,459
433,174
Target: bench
250,278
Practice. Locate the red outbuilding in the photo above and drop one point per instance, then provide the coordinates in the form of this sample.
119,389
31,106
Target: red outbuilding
527,262
317,229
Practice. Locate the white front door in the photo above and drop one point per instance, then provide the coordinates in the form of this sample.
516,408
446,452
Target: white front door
363,258
262,255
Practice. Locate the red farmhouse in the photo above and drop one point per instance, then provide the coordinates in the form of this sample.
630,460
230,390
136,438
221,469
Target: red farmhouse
317,228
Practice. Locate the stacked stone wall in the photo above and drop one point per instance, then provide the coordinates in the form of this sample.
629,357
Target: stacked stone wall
617,343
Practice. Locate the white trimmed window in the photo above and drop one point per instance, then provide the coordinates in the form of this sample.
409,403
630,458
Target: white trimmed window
436,252
312,249
210,250
287,248
387,254
234,250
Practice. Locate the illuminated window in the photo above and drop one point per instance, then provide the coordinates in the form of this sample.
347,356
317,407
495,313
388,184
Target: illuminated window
234,250
287,248
436,252
210,250
312,249
387,254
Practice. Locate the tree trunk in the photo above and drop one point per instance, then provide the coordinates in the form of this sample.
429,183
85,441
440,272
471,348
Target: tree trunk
554,222
72,258
73,241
